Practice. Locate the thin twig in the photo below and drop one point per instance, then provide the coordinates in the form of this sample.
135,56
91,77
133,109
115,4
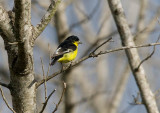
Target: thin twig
6,100
44,77
64,88
136,100
84,20
95,43
128,47
149,56
49,50
92,56
101,45
148,28
46,101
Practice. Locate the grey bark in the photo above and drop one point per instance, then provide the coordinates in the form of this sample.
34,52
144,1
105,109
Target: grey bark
19,38
133,57
21,67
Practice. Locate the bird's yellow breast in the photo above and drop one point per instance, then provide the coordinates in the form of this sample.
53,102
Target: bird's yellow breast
68,57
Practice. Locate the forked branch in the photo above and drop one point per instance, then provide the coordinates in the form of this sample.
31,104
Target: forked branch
46,19
46,101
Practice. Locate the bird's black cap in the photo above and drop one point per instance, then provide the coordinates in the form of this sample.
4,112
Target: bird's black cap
72,38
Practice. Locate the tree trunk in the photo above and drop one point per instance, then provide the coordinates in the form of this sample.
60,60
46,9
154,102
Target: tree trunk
19,37
23,96
132,55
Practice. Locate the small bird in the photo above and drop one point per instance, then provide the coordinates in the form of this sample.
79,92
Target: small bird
67,50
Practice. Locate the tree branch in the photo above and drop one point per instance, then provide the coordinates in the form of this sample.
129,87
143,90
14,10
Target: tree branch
149,56
44,77
72,64
46,19
5,25
22,19
101,45
91,55
132,55
128,47
64,88
95,43
143,33
6,100
46,101
23,31
136,100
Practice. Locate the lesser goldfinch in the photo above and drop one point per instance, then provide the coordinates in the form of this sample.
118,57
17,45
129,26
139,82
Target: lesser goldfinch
67,50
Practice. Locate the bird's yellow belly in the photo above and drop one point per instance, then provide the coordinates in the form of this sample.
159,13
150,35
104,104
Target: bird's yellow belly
68,57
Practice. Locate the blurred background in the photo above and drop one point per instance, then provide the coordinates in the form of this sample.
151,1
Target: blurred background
104,84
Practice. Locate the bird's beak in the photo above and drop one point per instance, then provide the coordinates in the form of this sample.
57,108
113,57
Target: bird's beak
79,42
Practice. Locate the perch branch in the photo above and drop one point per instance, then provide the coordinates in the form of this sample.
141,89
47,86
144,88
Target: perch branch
92,55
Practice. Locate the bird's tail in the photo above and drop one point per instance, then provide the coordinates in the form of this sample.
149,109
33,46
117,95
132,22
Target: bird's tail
53,61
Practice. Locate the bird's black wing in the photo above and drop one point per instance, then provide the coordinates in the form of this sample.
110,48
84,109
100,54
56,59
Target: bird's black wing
64,47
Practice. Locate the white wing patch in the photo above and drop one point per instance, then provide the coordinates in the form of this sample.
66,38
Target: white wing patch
58,50
69,50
